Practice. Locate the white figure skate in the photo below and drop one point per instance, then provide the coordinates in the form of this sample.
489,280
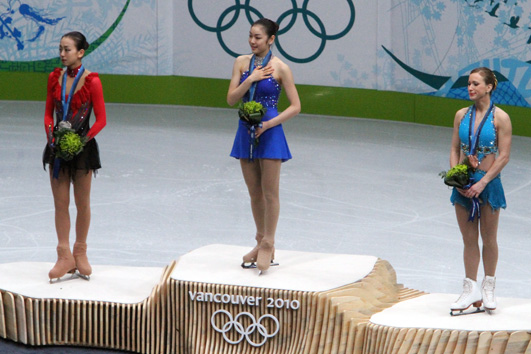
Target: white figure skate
471,296
487,293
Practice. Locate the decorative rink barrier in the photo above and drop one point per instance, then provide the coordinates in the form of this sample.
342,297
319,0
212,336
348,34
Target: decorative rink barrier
206,303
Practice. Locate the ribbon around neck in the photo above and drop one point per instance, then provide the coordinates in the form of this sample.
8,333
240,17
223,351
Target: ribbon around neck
64,101
66,108
473,141
473,138
251,68
252,89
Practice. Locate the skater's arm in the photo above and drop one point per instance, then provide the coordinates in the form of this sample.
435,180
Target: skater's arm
455,148
96,95
49,108
286,78
237,90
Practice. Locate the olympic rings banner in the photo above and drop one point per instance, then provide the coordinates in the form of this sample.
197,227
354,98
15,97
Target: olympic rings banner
418,46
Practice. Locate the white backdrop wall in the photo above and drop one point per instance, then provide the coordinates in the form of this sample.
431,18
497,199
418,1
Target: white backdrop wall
417,46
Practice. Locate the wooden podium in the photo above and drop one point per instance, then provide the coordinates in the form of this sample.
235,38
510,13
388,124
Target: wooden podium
423,325
311,303
206,303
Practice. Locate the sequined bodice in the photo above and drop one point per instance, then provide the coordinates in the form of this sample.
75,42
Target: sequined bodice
488,143
267,91
79,119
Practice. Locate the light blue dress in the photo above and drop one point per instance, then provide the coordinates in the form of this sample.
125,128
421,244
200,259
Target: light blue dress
488,144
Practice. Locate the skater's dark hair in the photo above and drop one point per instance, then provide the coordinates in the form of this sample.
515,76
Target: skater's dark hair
79,39
270,27
487,75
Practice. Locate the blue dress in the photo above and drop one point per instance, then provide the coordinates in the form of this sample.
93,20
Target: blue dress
272,143
493,193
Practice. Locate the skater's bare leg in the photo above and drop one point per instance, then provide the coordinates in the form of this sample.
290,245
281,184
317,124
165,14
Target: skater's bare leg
470,234
253,179
61,197
270,181
489,232
471,294
82,185
270,187
489,238
262,179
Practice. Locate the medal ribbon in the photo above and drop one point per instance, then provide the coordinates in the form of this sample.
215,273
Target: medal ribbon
251,68
473,141
66,108
252,89
66,103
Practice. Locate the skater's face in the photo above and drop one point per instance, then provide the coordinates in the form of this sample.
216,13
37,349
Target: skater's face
69,54
259,41
477,87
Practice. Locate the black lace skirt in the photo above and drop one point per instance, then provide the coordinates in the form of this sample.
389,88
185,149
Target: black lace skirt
87,160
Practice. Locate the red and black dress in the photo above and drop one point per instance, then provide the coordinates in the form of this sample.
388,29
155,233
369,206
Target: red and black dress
85,99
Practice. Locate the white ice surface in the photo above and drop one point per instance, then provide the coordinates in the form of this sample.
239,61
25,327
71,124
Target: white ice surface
168,186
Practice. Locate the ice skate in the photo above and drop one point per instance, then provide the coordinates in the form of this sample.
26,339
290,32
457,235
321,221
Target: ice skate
84,270
65,264
487,292
266,254
249,260
252,265
471,296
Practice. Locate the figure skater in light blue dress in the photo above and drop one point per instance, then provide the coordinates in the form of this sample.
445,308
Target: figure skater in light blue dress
482,134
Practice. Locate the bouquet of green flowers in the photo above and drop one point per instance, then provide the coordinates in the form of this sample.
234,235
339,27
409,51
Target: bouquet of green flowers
458,176
68,144
251,112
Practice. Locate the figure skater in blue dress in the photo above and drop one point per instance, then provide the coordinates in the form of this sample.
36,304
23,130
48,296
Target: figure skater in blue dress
265,74
482,133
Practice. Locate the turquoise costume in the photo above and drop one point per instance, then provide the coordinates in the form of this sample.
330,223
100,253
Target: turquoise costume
272,143
487,144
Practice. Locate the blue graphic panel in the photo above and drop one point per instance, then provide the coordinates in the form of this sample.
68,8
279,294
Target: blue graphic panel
30,32
440,42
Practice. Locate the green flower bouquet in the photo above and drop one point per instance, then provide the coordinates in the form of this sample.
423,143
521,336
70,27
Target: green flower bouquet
251,112
68,144
458,176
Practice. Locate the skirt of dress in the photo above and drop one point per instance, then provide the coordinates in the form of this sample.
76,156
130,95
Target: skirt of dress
492,194
88,159
272,143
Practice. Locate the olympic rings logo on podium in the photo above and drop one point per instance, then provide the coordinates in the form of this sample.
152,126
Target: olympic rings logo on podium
245,332
221,25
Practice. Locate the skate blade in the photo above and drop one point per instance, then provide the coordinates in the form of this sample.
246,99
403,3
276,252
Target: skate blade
252,265
64,278
82,276
464,312
248,265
